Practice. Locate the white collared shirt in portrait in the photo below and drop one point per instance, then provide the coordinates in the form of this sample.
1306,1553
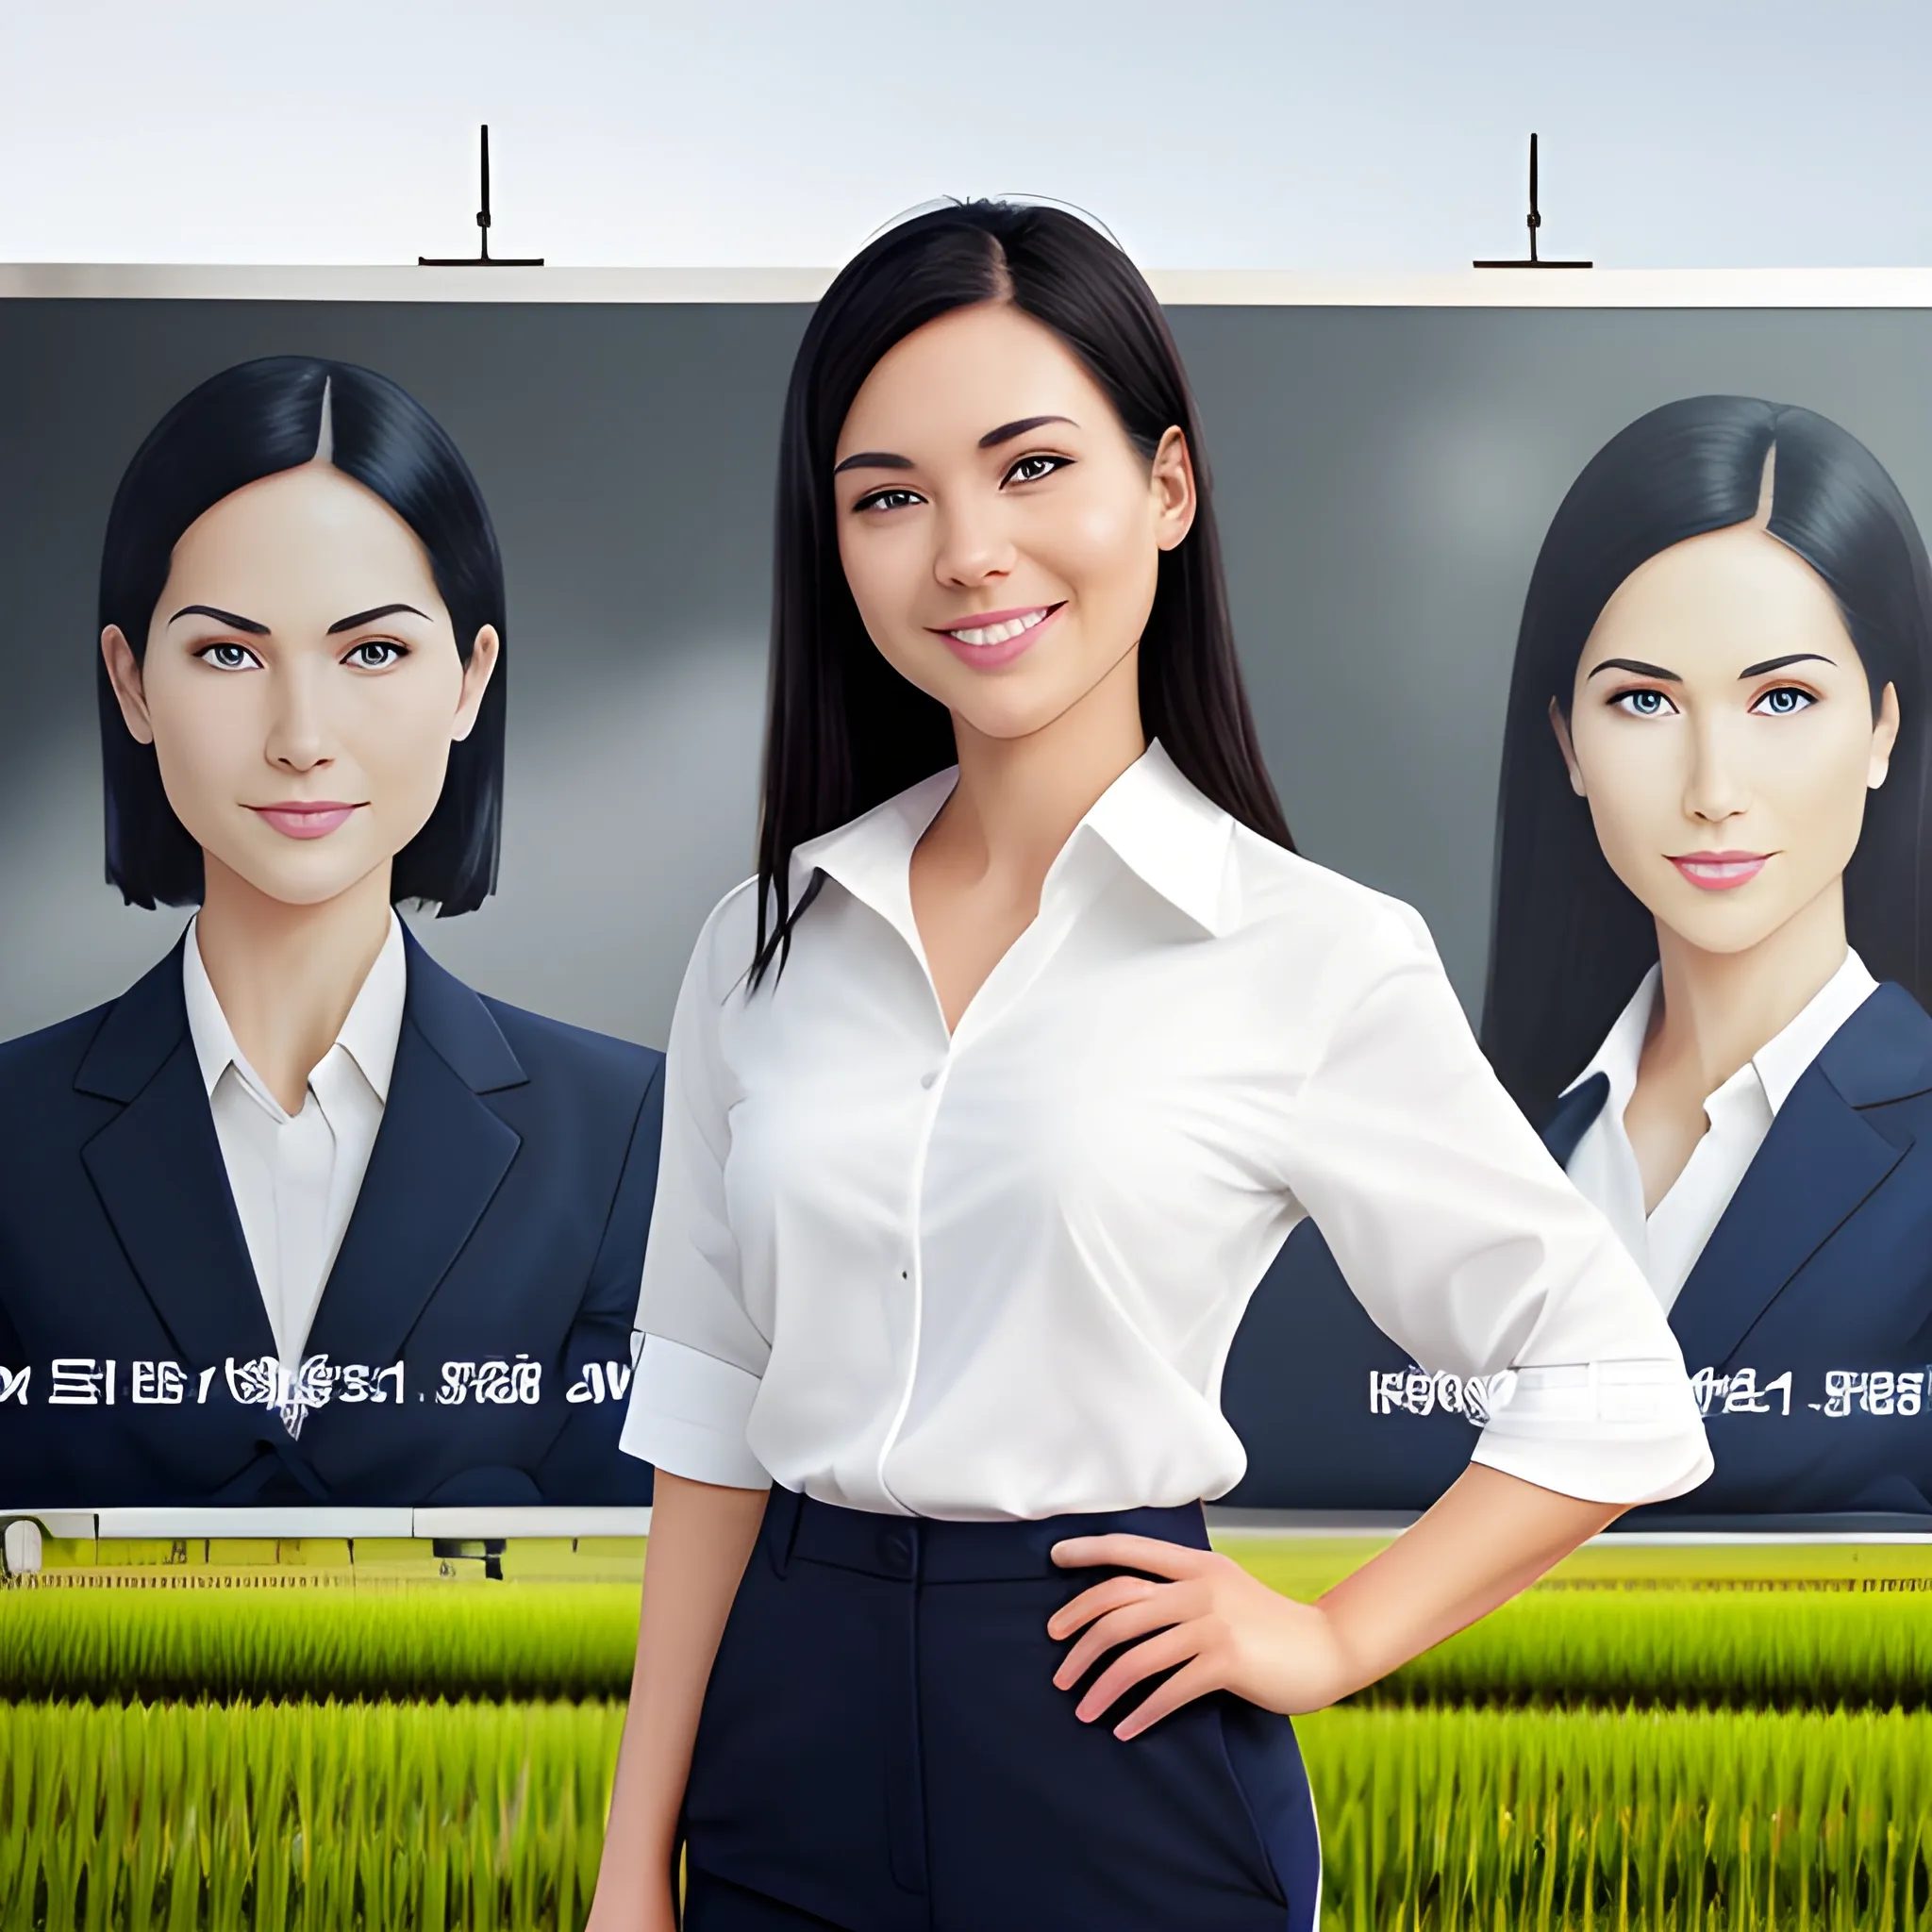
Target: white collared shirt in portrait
997,1276
1667,1242
294,1177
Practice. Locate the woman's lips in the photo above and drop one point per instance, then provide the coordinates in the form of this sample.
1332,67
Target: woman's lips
305,820
1719,871
987,642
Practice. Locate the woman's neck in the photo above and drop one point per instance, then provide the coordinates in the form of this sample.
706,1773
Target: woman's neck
1018,799
1719,1009
287,976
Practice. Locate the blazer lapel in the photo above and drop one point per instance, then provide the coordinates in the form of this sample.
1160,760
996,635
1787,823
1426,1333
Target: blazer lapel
1818,1165
157,1167
438,1157
1574,1114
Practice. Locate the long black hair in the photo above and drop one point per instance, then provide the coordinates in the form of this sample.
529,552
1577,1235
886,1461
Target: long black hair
845,731
254,421
1569,940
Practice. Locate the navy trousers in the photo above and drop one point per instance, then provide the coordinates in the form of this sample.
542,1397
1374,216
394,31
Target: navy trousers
882,1749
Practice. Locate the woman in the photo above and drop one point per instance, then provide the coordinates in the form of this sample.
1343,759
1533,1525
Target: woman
987,1101
1713,849
299,1217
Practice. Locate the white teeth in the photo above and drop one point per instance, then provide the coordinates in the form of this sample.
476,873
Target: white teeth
999,633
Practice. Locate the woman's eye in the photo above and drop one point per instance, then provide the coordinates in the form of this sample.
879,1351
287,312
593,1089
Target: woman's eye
887,499
375,654
1784,701
226,657
1643,703
1031,469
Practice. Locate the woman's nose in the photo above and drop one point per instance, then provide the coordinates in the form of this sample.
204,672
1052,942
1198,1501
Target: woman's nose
1716,786
297,735
973,546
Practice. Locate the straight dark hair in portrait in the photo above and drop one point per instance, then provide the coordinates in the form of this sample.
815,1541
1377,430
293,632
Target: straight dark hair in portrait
1569,941
845,731
256,419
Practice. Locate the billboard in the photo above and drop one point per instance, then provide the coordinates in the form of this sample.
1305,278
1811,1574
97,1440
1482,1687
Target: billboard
454,1328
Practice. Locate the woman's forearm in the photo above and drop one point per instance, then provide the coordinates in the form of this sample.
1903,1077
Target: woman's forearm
701,1536
1490,1535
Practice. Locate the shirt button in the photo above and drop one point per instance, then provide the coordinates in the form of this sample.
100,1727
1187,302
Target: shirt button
895,1552
927,1080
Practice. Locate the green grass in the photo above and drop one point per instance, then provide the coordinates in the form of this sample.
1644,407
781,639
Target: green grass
501,1641
1807,1647
1794,1648
1305,1566
1447,1821
204,1758
316,1816
430,1815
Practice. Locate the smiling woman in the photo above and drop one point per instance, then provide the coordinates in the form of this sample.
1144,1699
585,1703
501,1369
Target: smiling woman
1714,834
299,1160
300,750
987,1101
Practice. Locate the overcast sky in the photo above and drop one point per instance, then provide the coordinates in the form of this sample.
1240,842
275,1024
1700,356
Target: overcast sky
1350,136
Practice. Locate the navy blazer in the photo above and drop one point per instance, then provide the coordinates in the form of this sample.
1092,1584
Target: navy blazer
503,1214
1822,1261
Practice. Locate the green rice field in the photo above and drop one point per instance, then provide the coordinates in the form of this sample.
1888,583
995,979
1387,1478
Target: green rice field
1739,1742
1671,1646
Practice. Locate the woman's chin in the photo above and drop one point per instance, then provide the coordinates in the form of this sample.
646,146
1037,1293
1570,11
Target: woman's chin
1723,930
317,881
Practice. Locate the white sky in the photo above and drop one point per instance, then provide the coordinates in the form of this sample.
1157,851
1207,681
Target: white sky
1206,133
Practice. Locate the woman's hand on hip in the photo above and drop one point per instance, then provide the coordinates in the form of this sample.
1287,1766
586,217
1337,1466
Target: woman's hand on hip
1207,1620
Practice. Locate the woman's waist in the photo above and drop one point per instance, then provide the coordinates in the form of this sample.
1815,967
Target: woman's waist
935,1549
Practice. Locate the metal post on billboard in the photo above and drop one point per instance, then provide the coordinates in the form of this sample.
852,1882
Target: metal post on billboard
1536,221
482,259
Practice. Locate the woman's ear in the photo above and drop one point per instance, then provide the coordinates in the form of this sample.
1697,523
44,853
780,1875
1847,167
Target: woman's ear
1174,496
1884,737
1560,725
476,673
124,674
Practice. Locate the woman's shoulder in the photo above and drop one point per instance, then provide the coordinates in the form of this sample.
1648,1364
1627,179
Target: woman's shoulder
47,1060
110,1051
1295,901
576,1055
722,954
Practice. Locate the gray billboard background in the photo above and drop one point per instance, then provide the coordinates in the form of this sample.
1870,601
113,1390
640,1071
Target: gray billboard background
1383,478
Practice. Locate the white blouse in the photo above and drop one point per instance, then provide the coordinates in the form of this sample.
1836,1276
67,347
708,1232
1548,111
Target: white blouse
997,1276
1667,1242
295,1178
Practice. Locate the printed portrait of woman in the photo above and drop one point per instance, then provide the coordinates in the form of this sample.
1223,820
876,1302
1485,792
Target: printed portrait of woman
1712,937
299,1217
1711,947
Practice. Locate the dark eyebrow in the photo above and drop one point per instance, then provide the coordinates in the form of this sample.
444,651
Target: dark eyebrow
1007,431
873,459
227,617
884,460
1638,667
362,617
1779,664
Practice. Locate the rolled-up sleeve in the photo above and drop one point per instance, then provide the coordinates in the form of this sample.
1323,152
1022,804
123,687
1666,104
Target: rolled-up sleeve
1468,1246
698,1375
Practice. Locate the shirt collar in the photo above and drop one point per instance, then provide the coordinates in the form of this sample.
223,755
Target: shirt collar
368,1035
1166,831
1151,817
870,856
1779,1063
1616,1059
